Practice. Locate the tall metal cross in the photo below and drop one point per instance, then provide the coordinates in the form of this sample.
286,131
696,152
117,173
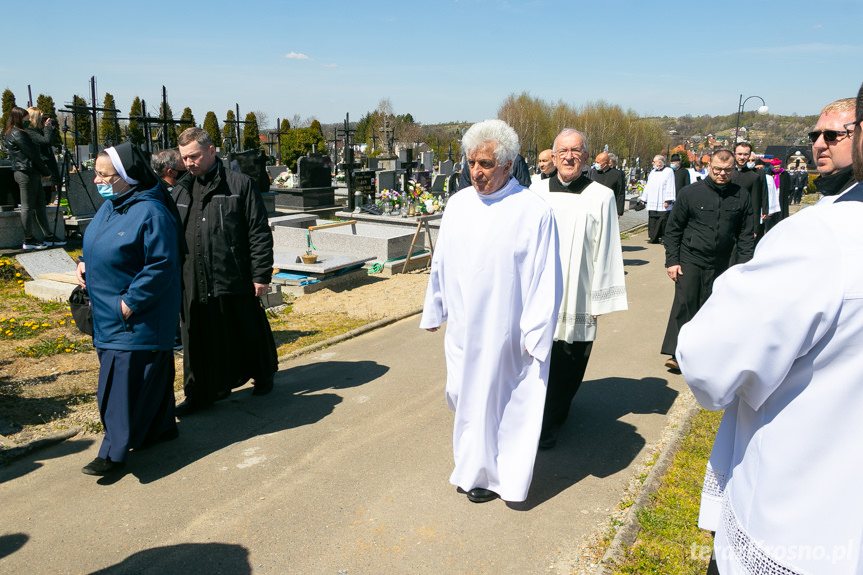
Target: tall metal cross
236,123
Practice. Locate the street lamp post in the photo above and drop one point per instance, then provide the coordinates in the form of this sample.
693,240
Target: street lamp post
761,110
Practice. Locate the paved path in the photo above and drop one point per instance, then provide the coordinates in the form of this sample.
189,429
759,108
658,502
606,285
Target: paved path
344,468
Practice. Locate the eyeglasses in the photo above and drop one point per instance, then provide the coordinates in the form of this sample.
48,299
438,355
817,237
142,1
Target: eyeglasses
851,125
829,135
564,152
106,177
722,170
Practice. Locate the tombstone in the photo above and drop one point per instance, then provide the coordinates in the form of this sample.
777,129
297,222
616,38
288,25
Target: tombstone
456,167
452,183
313,172
10,193
315,189
427,161
274,171
386,163
253,163
423,178
438,183
406,158
386,180
364,182
81,193
373,163
445,168
52,261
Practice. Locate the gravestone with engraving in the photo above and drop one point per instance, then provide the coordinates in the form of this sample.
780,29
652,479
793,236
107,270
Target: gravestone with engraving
445,167
373,163
364,181
315,190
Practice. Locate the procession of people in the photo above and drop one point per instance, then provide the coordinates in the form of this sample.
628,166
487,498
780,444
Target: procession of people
523,270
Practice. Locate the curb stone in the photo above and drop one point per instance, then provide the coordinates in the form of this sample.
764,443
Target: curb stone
14,453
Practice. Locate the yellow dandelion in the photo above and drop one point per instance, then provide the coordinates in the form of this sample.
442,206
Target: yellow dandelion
46,325
68,350
61,322
72,321
18,275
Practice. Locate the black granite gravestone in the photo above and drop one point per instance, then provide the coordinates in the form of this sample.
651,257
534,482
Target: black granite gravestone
81,192
315,186
253,163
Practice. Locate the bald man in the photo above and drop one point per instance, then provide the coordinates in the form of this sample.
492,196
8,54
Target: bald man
546,167
609,176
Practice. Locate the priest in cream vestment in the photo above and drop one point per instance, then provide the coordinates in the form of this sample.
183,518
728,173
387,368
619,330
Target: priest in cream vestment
495,281
591,262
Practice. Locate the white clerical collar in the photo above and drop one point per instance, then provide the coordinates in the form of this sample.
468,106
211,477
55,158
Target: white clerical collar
507,189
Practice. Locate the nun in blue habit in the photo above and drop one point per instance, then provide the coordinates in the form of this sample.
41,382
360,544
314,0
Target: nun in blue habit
131,269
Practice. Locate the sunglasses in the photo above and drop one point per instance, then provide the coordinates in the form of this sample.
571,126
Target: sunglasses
829,135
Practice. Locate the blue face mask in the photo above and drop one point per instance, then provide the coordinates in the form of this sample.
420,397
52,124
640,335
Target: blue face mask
106,191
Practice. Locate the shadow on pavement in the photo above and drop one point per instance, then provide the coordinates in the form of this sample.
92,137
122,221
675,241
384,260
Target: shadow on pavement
296,400
594,441
11,543
30,461
210,558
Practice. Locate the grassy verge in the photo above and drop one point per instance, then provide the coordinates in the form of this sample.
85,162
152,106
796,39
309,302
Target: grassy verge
670,541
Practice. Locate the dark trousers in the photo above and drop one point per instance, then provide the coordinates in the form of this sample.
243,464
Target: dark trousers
565,374
136,398
656,225
32,203
693,287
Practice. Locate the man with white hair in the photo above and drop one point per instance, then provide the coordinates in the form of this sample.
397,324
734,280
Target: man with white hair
659,194
591,261
495,279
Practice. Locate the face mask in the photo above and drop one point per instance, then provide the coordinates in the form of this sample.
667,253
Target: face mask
750,165
597,167
675,166
106,191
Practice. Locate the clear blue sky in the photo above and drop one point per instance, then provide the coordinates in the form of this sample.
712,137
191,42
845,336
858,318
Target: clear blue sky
449,60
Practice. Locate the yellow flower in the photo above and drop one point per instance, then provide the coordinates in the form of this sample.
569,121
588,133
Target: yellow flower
68,350
61,322
18,275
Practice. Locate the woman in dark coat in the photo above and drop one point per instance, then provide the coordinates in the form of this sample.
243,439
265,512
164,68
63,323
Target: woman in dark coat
131,269
28,169
42,133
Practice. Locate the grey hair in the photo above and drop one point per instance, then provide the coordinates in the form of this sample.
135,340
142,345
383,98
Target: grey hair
165,160
612,158
567,132
504,137
199,135
661,158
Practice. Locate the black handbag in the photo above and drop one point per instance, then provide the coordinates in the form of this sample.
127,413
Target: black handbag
79,304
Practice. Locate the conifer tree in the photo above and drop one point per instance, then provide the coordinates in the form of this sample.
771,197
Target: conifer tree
82,120
136,132
211,126
228,132
46,104
187,120
8,104
109,128
251,134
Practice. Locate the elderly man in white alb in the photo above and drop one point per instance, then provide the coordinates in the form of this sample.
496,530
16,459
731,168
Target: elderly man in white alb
782,488
659,195
591,261
495,280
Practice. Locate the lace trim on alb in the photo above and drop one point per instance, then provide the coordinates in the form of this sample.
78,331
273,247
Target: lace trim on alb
746,551
714,483
608,293
576,319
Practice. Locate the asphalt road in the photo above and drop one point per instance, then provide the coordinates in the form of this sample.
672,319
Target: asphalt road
344,468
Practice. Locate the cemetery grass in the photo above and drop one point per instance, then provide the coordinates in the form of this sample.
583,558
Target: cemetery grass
49,369
669,540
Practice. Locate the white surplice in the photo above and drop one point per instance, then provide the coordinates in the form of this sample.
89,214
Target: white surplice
495,280
591,258
778,345
660,188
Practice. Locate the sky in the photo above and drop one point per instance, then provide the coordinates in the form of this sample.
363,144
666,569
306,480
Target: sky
440,61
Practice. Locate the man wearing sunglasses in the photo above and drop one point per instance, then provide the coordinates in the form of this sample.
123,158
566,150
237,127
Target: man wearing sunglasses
782,484
831,148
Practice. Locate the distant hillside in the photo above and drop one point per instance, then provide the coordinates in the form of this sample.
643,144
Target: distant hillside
763,131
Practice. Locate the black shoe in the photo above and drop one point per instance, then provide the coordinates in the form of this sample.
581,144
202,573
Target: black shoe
480,495
169,435
101,466
54,241
188,407
547,442
31,244
671,363
263,387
